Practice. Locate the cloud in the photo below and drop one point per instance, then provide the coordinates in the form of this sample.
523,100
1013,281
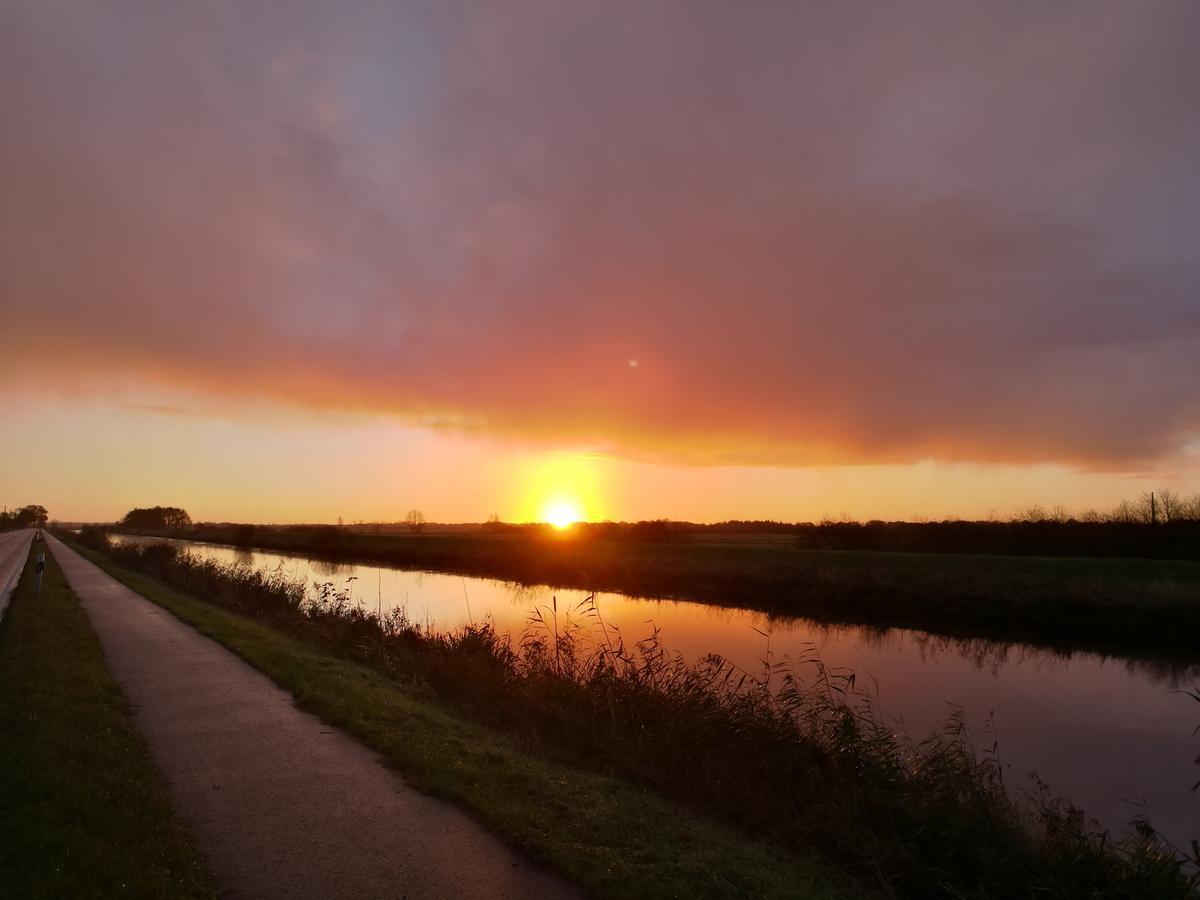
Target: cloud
825,234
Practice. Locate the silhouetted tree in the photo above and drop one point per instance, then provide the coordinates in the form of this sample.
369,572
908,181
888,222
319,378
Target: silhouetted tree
1169,504
416,521
1125,512
1150,508
29,516
157,518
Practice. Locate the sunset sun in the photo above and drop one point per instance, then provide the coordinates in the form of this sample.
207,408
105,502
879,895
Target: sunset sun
562,513
561,489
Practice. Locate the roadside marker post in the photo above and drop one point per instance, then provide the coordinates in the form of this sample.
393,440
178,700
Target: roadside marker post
41,567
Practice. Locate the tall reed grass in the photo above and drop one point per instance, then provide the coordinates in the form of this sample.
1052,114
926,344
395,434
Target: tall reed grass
794,753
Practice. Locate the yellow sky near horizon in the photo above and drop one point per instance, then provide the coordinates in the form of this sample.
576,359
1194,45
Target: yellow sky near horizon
94,459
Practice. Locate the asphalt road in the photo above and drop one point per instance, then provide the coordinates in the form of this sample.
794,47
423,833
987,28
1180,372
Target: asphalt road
14,550
280,803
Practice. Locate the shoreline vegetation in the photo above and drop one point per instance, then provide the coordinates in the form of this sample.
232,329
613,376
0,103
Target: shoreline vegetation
795,757
85,812
1130,607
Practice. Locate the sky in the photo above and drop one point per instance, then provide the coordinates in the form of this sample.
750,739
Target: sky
281,261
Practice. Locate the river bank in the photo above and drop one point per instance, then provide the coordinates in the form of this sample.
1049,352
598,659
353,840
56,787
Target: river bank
806,767
1131,607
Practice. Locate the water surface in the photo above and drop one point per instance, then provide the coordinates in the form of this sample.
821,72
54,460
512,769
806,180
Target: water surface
1114,736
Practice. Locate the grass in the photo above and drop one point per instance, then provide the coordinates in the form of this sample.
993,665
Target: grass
83,811
614,838
1131,607
800,763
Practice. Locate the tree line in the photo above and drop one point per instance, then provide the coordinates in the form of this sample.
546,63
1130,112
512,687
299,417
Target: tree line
1160,524
157,518
31,516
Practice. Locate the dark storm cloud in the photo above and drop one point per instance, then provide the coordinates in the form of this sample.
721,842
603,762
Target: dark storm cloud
841,232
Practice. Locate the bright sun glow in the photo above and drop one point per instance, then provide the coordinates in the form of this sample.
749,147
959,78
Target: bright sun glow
562,514
561,489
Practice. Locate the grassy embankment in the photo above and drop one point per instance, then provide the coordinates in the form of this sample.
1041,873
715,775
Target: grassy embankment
804,767
83,812
614,838
1132,607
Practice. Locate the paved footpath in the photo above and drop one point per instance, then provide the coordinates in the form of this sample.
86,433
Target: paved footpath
282,804
14,550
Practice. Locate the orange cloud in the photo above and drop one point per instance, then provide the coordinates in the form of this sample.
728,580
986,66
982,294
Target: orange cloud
961,235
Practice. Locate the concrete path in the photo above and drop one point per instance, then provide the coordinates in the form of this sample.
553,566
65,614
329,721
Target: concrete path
280,803
14,550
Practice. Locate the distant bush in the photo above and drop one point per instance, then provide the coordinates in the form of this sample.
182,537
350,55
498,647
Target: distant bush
157,518
244,534
327,538
95,537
